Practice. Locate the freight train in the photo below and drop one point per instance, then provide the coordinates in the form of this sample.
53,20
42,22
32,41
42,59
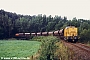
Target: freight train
69,34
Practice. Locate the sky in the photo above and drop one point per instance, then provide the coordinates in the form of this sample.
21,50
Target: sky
68,8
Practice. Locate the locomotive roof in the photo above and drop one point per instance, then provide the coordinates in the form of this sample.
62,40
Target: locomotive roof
69,27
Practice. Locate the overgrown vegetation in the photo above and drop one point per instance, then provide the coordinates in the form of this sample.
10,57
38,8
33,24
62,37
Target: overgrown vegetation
11,23
85,36
63,53
48,47
88,43
52,49
18,48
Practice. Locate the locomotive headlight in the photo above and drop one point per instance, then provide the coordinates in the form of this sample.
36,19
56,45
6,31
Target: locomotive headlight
75,37
71,38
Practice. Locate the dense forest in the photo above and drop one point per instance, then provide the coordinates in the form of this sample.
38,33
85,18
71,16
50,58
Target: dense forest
12,23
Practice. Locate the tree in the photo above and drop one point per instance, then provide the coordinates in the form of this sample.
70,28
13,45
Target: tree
85,35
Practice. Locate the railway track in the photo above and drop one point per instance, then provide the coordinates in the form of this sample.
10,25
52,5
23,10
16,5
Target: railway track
81,51
83,47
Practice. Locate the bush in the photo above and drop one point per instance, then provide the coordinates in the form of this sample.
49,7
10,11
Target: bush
63,52
85,35
48,47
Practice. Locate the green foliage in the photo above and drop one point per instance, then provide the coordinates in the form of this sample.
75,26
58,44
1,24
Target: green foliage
63,52
53,49
48,47
18,48
88,43
85,35
12,23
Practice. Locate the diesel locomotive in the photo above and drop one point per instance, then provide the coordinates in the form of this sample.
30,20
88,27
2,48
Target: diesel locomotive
69,34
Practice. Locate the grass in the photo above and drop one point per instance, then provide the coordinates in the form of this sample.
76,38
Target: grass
63,53
18,48
88,43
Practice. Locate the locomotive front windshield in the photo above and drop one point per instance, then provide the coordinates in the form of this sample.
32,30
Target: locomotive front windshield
70,31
